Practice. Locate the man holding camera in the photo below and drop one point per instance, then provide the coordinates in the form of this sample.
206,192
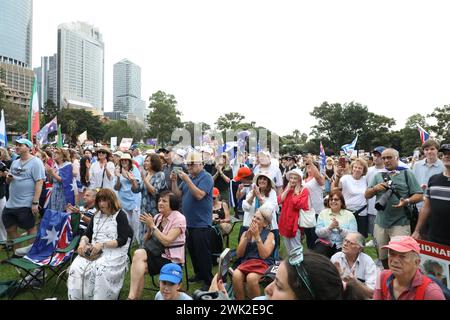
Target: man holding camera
395,188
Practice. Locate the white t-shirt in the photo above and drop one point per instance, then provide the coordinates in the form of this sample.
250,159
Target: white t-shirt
272,171
181,296
316,194
96,176
371,202
249,210
353,191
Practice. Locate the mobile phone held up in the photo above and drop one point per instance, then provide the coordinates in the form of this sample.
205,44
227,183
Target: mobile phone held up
342,162
224,262
177,170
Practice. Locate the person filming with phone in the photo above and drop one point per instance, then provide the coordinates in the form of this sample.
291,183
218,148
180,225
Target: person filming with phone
196,190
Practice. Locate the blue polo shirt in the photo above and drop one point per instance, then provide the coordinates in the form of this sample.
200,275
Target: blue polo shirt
198,213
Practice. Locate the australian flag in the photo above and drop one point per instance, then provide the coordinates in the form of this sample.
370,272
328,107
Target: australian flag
323,158
424,136
42,135
55,232
68,183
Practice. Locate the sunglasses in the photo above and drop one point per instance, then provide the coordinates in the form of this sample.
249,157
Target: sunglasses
296,260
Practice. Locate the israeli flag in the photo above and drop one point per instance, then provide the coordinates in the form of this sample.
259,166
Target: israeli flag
348,148
3,137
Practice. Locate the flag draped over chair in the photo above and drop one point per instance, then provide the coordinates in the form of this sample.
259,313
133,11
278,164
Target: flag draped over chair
55,232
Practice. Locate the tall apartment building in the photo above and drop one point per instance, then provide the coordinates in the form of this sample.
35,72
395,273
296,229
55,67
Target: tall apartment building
127,90
80,66
16,31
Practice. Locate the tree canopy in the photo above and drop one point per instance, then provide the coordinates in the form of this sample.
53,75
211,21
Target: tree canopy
164,117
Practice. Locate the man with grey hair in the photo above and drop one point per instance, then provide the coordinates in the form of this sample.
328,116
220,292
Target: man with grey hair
196,191
404,281
355,266
395,188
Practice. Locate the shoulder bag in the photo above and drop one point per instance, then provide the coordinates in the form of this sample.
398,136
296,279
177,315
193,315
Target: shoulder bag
411,211
307,219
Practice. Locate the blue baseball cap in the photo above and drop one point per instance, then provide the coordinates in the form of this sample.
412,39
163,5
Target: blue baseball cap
171,272
379,149
26,142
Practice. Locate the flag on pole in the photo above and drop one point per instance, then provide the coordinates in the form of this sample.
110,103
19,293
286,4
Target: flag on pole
424,136
323,158
348,148
59,144
3,137
42,135
33,114
82,137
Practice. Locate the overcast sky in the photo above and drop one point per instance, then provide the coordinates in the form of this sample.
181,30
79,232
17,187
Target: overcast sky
272,61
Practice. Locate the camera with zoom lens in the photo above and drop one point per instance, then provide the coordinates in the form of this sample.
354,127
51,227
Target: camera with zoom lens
380,205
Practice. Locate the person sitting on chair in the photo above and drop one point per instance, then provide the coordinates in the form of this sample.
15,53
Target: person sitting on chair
256,248
170,279
221,213
98,272
87,211
169,227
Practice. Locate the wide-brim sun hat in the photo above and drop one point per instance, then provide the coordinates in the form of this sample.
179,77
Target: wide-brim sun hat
194,157
126,156
272,183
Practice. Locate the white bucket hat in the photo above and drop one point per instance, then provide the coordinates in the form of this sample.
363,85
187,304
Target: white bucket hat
294,171
272,183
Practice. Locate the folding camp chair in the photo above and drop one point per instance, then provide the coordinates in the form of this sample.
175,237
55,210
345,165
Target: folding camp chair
155,285
53,246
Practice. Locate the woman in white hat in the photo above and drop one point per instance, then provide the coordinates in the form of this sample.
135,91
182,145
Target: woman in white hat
293,198
127,183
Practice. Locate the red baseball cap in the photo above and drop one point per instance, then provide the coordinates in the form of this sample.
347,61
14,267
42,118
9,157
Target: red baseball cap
243,173
215,192
403,244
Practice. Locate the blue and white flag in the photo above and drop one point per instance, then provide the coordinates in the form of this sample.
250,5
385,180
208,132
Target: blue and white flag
424,136
348,148
55,232
3,137
42,135
323,158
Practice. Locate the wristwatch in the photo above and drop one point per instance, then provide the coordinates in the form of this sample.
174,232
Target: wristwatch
35,203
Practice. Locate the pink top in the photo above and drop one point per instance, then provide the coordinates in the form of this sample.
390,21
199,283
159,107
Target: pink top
432,292
175,220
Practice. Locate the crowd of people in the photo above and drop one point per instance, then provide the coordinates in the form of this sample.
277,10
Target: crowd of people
167,201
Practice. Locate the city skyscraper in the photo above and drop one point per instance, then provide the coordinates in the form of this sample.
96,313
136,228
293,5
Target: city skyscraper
46,76
16,32
127,90
80,66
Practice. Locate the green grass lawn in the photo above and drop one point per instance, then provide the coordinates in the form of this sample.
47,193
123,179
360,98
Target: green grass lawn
7,272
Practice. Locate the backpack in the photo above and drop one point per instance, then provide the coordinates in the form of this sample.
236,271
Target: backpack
420,291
